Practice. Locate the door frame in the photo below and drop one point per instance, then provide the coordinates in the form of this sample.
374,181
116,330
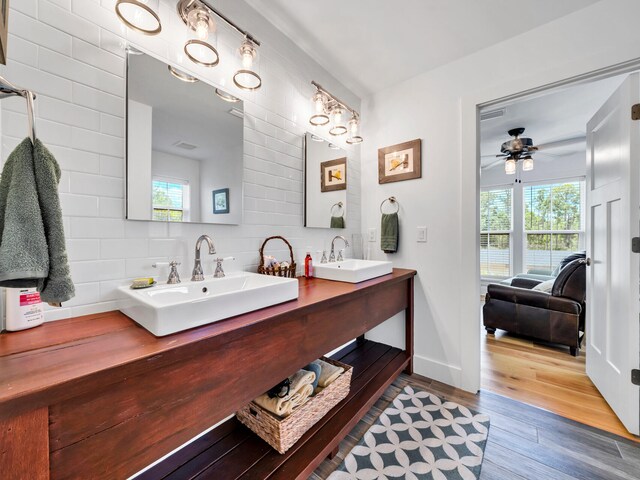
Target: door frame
535,85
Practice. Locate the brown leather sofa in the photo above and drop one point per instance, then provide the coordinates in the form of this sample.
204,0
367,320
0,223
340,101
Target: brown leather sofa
556,317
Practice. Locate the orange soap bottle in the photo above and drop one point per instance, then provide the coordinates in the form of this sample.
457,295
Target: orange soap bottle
308,265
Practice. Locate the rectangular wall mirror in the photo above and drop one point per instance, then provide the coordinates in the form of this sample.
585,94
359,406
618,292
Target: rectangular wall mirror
184,147
326,182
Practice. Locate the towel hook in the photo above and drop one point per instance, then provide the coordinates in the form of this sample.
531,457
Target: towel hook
393,201
8,89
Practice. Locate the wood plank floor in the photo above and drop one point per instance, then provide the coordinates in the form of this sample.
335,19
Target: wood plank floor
524,442
547,376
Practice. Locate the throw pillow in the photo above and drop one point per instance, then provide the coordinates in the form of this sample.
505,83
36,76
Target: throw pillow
545,286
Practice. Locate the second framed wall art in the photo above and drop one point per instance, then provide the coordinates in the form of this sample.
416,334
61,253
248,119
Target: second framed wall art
400,162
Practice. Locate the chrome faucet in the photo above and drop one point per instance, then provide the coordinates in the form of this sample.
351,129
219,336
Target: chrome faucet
332,255
197,275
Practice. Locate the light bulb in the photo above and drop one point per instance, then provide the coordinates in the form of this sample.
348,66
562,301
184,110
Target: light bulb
336,115
202,29
318,102
510,166
353,126
247,60
527,164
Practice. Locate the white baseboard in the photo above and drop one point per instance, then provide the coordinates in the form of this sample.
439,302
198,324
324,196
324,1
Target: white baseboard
442,372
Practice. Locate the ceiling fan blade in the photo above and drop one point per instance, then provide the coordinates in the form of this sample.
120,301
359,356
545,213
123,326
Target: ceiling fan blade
567,142
492,164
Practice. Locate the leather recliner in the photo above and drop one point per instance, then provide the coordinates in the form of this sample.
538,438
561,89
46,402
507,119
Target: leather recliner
556,317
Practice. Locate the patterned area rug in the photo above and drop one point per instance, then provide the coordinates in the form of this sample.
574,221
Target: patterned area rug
419,437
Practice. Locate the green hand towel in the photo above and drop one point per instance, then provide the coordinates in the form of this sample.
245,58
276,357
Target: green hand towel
337,222
389,232
32,244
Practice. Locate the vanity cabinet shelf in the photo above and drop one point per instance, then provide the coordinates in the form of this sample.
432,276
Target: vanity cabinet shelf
100,397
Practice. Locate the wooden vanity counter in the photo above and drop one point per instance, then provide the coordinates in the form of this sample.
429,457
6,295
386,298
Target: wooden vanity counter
100,397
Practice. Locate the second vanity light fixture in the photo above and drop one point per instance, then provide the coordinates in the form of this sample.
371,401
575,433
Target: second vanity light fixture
330,110
199,17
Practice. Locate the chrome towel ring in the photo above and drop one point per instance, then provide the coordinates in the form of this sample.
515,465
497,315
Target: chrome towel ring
392,201
339,205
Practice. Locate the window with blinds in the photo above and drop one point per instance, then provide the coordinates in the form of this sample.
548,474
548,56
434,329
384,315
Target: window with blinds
553,224
168,201
496,227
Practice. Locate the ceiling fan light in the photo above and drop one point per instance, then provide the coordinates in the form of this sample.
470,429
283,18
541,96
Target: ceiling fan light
510,166
138,16
527,163
355,140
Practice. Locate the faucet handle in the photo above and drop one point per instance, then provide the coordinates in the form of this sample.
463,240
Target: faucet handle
340,257
174,276
324,256
219,273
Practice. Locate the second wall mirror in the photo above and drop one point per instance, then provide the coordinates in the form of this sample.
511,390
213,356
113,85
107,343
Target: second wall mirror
184,146
326,182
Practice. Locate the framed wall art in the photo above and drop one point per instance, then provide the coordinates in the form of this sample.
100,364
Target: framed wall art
400,162
221,201
333,175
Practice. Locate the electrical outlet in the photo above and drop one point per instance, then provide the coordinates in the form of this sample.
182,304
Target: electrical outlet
422,234
372,234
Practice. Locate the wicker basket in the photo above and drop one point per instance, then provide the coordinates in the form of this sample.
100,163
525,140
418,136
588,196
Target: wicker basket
289,271
282,433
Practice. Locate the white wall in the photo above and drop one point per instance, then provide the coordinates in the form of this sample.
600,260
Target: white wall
219,173
70,52
169,166
440,107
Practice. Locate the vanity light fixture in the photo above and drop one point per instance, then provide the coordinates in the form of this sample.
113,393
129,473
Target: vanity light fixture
246,78
227,97
198,16
139,16
328,108
180,75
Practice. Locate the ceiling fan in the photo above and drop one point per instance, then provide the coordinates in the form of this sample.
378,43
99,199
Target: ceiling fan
517,149
548,149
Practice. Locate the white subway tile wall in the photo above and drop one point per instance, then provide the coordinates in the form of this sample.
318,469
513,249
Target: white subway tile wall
71,54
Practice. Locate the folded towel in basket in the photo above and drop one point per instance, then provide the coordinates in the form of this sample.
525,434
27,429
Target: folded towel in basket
328,373
300,389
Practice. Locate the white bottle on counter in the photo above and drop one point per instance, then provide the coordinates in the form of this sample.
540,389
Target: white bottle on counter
24,309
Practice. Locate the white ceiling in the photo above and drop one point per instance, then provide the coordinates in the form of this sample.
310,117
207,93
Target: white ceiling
183,112
372,44
556,121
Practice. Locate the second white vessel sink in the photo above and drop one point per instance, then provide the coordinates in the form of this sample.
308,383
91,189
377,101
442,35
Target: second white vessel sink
166,309
352,271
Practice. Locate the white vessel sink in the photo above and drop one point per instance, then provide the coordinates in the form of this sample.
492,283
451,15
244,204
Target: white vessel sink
352,271
166,309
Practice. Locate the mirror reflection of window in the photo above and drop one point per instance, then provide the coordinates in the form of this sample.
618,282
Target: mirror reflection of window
169,199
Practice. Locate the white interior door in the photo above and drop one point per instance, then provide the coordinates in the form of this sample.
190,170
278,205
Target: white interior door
613,278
